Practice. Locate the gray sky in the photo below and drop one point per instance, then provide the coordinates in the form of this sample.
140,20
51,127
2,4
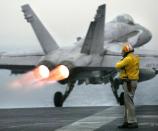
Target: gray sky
66,19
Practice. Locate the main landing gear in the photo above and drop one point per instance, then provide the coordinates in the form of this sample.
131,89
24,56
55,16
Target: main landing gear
60,98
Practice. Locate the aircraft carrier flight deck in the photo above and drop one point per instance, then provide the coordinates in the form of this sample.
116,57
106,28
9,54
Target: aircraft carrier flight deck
75,119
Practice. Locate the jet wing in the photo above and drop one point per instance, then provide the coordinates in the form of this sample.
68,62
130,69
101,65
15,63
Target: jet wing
19,63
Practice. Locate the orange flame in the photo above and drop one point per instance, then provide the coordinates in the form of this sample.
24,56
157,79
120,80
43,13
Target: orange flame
61,72
41,72
41,76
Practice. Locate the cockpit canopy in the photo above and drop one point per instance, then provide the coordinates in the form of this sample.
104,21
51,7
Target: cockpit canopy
124,18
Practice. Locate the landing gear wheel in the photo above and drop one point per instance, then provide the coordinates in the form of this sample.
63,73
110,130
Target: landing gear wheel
58,99
122,98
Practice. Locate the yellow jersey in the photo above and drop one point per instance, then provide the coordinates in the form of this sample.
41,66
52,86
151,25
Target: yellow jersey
129,67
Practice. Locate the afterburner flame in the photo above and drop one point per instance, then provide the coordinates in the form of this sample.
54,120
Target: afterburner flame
61,72
34,78
64,71
42,72
41,76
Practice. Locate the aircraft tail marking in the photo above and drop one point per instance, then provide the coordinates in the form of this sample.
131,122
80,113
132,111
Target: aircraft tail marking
94,41
47,42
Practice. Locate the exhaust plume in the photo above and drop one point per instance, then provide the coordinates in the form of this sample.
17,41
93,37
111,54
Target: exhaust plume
41,76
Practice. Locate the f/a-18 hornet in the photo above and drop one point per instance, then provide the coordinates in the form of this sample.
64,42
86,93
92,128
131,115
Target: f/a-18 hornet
91,60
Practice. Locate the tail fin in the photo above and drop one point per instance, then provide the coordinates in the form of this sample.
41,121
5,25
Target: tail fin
94,41
47,42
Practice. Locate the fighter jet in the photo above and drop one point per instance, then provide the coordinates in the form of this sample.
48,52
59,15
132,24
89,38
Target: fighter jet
90,61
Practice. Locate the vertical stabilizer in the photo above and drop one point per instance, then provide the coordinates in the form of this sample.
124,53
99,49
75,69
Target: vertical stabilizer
94,41
47,42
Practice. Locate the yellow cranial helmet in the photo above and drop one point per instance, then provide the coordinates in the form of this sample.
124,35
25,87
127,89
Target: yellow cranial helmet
127,47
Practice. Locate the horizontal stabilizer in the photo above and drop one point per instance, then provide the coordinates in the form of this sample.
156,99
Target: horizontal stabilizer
47,42
94,41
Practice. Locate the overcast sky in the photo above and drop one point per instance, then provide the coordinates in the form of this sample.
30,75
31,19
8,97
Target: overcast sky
66,20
